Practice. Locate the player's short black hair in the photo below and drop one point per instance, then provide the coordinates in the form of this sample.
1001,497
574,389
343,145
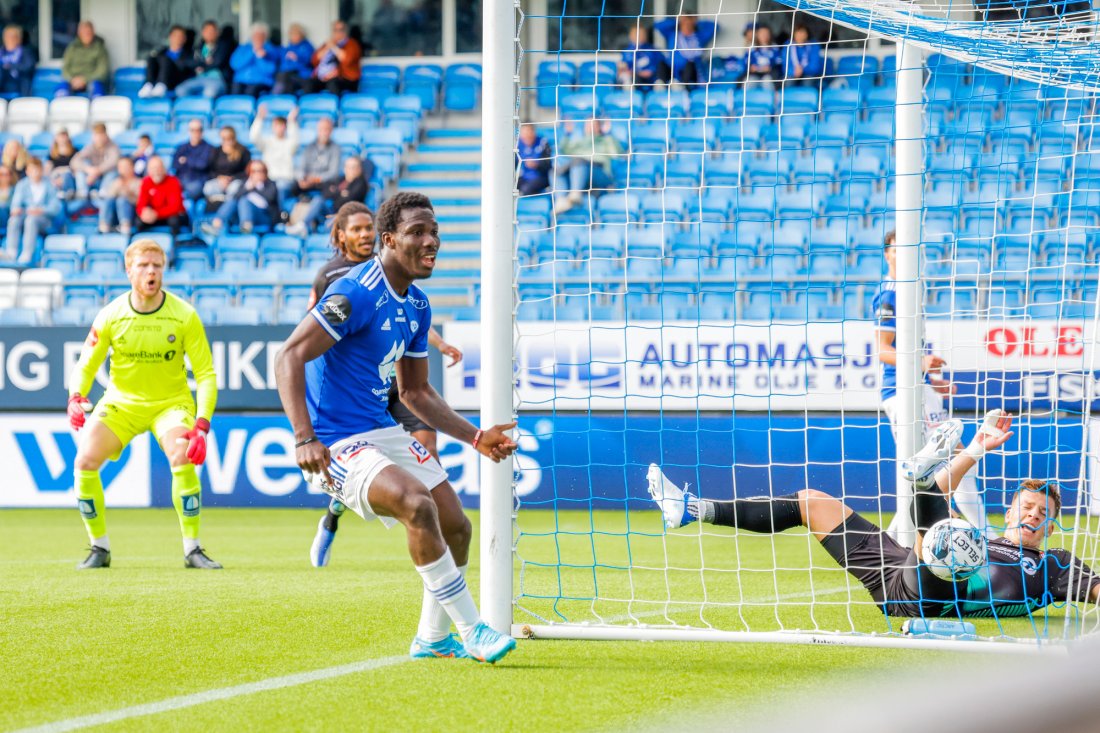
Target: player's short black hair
890,239
390,212
340,221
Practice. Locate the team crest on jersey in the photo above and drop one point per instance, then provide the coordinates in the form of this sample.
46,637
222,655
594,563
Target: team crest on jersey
336,309
1029,566
420,453
93,337
414,325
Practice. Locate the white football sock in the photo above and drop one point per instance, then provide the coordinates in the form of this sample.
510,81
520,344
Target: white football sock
435,624
970,503
447,585
189,545
102,543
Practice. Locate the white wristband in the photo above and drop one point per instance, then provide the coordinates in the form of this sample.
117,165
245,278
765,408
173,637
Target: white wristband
975,450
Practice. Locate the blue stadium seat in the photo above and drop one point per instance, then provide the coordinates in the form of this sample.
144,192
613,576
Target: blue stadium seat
155,113
607,242
665,104
695,136
460,93
755,102
621,106
836,99
834,131
19,317
535,210
723,170
618,207
186,109
797,100
648,137
767,169
239,316
740,133
755,204
709,101
683,170
128,80
360,107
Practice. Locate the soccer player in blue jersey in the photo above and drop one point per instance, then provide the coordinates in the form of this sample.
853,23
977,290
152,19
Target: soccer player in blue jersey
966,495
333,375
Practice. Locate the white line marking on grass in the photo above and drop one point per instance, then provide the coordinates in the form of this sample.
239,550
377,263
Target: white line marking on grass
751,601
201,698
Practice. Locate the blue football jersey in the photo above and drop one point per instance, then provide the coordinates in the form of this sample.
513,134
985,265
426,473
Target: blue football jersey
885,305
347,388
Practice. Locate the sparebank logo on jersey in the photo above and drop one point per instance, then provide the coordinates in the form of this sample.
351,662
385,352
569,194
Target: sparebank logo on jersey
417,303
385,369
38,453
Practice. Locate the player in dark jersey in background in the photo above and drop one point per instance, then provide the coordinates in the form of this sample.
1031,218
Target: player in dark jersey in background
967,497
1019,578
353,238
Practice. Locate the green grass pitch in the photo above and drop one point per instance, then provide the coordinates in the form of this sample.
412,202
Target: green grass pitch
74,643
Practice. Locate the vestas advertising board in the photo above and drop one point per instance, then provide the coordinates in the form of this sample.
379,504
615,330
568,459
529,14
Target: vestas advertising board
566,461
775,367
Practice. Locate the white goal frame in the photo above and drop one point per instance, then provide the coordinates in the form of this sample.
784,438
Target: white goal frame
500,119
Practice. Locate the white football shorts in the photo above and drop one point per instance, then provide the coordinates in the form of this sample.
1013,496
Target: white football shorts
934,412
357,461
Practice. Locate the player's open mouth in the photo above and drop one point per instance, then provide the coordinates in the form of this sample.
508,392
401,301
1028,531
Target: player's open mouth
428,260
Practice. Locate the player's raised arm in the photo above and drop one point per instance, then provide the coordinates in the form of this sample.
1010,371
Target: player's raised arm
308,342
419,396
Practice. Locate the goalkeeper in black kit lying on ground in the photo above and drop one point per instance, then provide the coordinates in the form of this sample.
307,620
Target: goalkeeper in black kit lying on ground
1019,578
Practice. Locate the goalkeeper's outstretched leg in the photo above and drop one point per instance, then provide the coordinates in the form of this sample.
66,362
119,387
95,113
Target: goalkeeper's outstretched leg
1008,585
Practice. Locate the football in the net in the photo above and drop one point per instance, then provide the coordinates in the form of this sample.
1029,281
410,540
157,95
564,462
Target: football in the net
953,549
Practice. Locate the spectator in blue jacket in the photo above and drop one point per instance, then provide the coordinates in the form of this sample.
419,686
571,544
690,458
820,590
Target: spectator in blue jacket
17,63
805,63
296,66
535,156
687,38
642,65
35,208
765,60
254,64
192,160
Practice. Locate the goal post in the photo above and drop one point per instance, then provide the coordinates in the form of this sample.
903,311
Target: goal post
700,296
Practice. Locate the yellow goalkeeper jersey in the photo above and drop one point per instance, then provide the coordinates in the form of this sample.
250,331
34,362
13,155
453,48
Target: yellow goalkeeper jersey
147,351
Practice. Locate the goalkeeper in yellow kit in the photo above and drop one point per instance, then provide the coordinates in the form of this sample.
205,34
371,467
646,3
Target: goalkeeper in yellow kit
148,331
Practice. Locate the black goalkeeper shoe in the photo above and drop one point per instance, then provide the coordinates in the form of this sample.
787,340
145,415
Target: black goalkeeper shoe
97,558
197,559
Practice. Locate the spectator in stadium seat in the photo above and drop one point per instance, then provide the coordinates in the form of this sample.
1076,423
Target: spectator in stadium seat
337,62
279,148
320,161
584,163
142,153
686,37
15,157
296,66
642,65
7,190
35,208
170,66
804,62
160,200
85,67
210,63
119,199
255,203
534,158
254,64
193,159
228,167
95,164
58,164
354,185
765,60
17,63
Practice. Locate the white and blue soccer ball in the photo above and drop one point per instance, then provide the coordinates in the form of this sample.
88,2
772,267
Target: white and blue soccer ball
953,549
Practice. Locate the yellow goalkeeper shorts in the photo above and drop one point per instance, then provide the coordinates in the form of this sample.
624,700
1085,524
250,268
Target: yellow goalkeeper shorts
127,421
